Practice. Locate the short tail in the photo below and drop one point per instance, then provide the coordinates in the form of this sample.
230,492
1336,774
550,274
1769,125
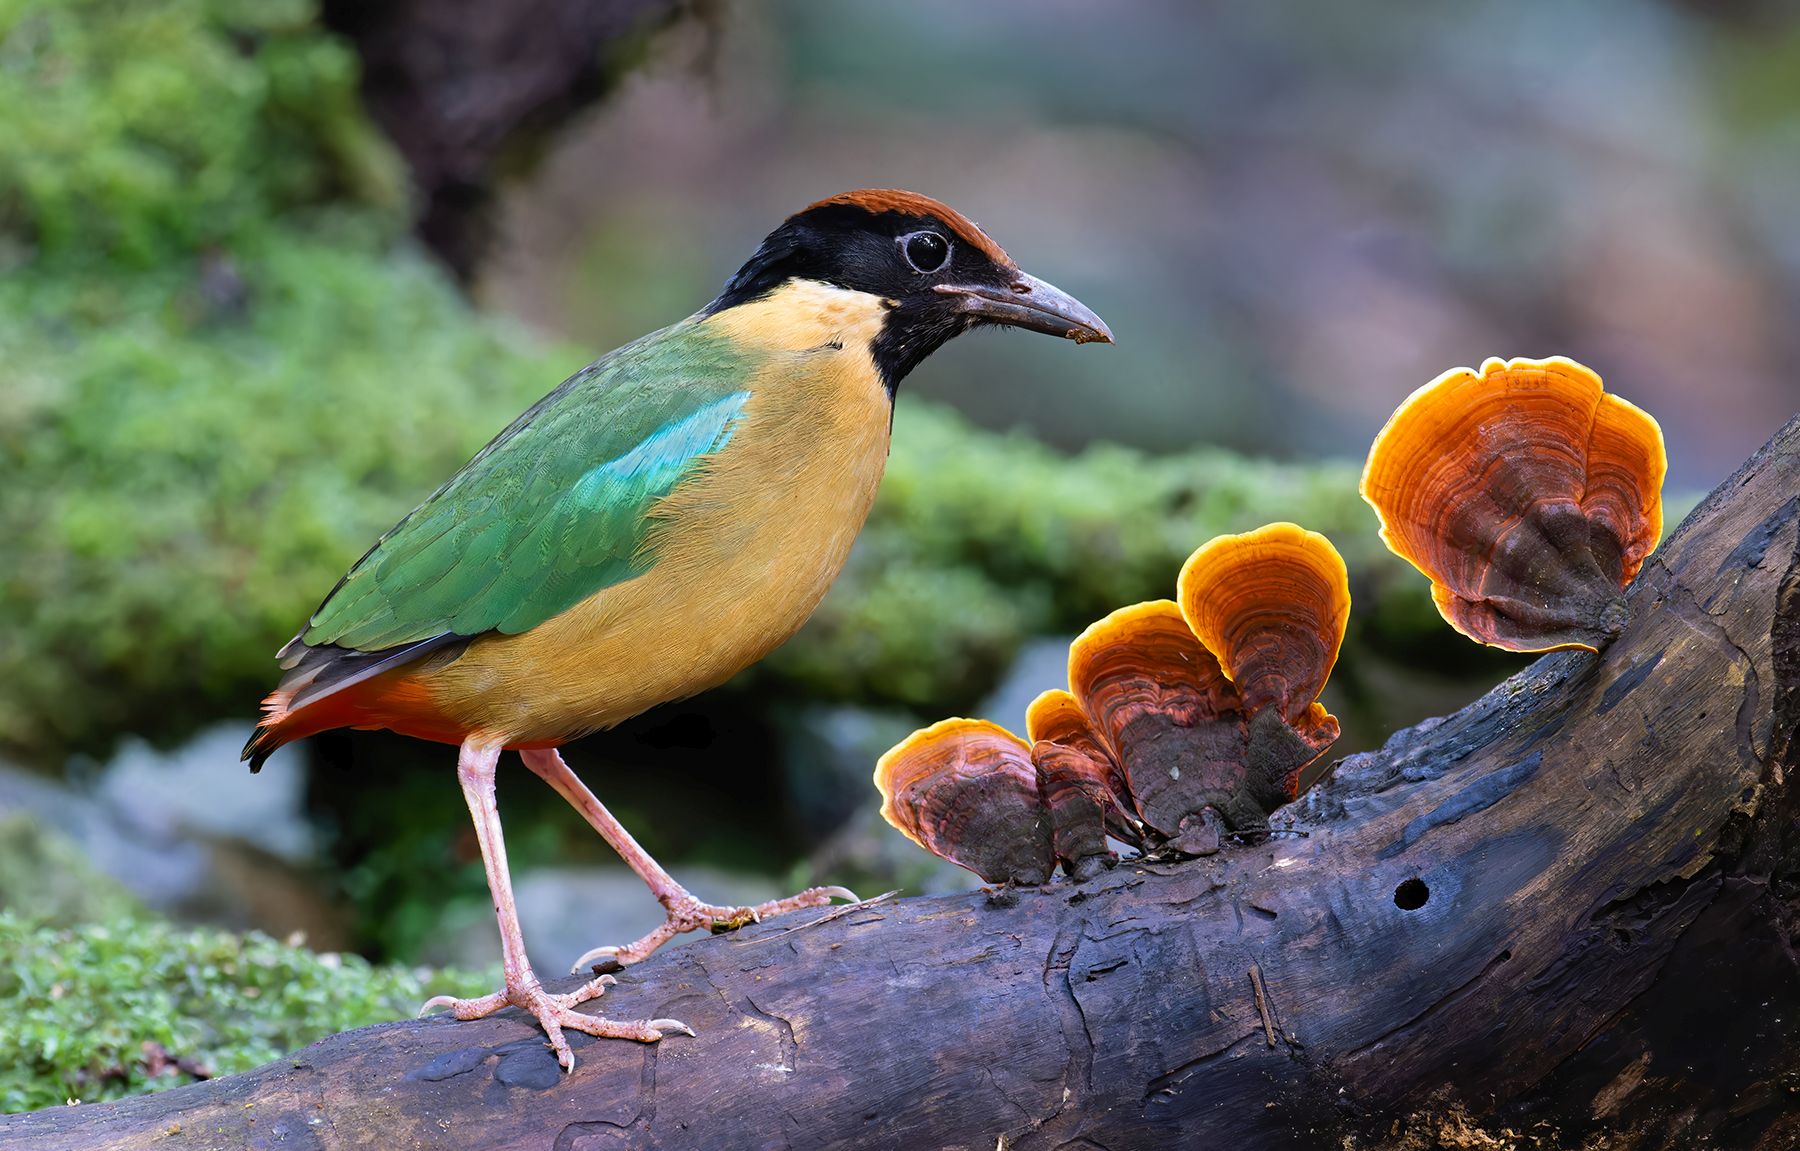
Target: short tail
282,723
328,687
266,738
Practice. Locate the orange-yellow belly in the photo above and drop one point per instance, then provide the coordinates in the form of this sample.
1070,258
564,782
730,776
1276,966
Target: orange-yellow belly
744,551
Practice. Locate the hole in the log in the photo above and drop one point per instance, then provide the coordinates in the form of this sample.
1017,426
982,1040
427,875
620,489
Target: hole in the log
1411,894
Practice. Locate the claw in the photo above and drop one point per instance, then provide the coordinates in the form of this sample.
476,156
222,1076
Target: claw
688,914
591,958
556,1013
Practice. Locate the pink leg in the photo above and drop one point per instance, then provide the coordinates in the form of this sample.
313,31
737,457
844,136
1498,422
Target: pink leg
685,912
475,770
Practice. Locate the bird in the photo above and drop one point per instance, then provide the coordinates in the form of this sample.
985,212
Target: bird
664,518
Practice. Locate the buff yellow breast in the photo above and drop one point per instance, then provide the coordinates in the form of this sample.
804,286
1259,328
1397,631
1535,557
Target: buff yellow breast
744,550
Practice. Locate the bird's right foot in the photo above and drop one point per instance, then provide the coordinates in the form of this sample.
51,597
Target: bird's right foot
685,913
556,1013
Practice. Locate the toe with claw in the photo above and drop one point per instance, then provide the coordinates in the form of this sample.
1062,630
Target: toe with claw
689,914
556,1013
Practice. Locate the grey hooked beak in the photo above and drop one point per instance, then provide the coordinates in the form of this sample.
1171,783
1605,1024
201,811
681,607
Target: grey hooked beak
1030,303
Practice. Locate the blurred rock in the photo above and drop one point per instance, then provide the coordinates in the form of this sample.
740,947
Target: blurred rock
828,760
45,875
162,872
201,790
1040,665
189,833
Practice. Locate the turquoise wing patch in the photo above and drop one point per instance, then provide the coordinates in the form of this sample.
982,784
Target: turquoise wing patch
554,509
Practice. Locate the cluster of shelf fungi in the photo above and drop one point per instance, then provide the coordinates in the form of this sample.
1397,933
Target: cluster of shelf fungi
1528,494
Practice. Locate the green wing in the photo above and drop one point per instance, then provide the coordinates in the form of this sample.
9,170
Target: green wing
554,509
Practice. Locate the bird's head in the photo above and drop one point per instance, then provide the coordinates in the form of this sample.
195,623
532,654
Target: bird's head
930,270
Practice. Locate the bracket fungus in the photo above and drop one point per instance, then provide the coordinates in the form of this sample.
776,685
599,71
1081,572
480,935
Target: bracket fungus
1083,786
1528,495
1273,604
1169,715
1210,703
1184,720
966,790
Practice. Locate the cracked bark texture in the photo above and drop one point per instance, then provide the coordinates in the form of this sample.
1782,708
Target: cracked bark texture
1608,858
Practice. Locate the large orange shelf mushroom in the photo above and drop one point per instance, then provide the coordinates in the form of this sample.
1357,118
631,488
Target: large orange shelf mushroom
1528,495
1184,721
1273,604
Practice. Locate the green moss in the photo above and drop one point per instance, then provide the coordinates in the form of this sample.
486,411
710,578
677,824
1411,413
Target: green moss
90,1011
185,488
157,129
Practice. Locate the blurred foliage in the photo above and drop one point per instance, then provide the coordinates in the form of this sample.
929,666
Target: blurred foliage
102,1011
100,999
158,129
184,488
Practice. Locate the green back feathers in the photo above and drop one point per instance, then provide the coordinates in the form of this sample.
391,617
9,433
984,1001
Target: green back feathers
556,508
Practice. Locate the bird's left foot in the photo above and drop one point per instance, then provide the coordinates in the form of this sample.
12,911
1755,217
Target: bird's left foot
556,1013
689,914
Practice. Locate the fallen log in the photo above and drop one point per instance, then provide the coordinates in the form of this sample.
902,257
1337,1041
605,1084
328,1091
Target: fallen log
1565,916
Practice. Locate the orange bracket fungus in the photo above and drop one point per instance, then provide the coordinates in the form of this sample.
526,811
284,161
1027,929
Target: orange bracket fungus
1083,788
1184,720
966,790
1210,703
1272,605
1527,494
1169,716
974,793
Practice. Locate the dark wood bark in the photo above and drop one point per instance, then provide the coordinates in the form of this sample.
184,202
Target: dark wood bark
1567,913
461,85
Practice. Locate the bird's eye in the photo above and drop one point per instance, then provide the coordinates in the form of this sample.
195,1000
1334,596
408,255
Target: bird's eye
927,252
